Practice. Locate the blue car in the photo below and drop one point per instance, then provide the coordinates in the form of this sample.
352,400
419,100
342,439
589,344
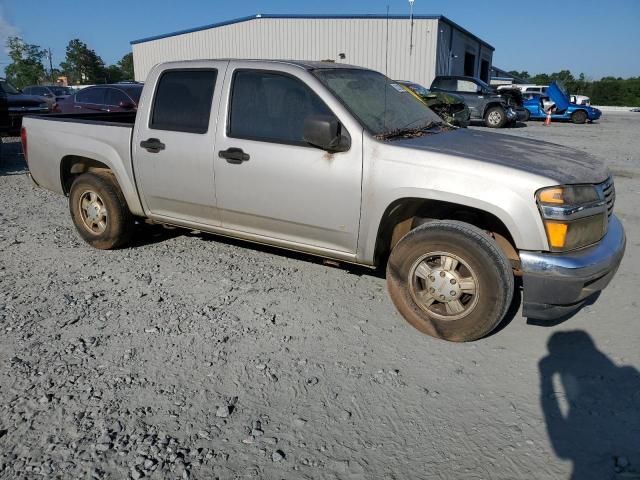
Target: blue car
538,103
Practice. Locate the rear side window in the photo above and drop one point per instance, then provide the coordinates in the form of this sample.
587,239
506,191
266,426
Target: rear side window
271,107
91,95
445,83
115,97
183,101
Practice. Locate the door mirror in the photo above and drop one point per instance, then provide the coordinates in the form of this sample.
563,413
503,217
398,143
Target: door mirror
127,105
325,132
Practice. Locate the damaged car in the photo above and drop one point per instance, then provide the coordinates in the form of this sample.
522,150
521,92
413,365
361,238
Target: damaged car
448,106
495,109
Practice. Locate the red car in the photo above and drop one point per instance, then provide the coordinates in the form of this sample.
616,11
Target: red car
103,98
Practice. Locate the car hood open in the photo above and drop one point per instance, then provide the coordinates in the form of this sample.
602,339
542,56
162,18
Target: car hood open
562,164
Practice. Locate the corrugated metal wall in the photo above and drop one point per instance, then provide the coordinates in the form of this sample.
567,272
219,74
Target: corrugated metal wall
363,41
452,48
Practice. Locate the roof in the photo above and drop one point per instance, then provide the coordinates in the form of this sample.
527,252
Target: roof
441,18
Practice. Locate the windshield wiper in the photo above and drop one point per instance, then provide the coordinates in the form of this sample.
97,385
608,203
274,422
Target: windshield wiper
410,132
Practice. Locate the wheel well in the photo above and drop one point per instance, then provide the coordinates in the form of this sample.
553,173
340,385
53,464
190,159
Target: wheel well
71,166
408,213
491,105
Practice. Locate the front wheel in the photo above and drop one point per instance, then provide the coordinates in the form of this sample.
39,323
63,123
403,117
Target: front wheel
450,280
579,116
495,117
99,210
527,115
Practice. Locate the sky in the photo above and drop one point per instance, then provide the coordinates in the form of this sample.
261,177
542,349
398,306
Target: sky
596,37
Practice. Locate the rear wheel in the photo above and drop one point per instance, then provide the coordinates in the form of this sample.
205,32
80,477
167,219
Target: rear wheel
579,116
99,210
495,117
450,280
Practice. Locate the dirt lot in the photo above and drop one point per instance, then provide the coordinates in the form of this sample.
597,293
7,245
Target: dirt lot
190,356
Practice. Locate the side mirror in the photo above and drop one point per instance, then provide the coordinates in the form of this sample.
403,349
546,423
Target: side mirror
127,105
325,132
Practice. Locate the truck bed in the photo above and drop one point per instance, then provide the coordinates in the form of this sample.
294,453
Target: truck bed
101,137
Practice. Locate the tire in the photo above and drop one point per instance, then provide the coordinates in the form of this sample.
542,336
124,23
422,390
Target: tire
579,117
105,221
421,252
495,117
527,115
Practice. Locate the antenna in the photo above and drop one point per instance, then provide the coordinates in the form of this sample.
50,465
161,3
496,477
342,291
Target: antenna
411,2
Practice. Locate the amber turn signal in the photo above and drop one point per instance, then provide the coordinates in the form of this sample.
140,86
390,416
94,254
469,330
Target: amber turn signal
556,233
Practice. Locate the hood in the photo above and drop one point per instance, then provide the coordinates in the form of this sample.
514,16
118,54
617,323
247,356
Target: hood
563,165
558,95
23,100
513,96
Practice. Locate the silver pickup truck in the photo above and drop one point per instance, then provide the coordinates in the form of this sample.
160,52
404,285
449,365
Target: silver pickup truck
341,162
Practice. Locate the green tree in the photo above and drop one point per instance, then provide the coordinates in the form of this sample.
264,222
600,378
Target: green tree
126,66
26,67
83,65
113,74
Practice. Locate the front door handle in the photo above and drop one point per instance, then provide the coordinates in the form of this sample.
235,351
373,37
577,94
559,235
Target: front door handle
152,145
234,155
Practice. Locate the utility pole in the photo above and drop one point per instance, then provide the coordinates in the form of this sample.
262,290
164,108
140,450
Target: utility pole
50,66
411,2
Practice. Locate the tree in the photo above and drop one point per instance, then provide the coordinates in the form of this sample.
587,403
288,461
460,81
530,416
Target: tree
26,66
113,74
82,65
126,66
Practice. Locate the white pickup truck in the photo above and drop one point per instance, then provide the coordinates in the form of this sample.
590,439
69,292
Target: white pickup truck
340,162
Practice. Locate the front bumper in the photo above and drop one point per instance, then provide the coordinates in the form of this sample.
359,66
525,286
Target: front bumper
595,114
558,284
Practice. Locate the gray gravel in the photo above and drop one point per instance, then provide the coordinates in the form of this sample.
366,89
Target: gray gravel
191,356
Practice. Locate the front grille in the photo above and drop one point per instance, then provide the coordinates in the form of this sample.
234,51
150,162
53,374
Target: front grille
609,191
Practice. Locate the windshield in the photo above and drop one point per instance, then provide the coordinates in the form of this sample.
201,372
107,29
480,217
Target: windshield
379,103
8,88
419,89
59,91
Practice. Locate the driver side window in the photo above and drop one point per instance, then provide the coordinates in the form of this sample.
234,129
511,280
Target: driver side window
271,107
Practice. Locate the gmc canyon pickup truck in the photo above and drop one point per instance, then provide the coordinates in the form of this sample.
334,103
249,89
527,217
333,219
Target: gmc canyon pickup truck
340,162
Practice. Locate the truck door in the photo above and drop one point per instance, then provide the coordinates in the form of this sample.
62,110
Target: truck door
269,181
173,143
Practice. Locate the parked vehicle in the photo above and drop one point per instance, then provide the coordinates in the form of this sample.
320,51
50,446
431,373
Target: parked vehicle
562,108
17,105
483,102
336,161
448,106
53,93
102,98
580,100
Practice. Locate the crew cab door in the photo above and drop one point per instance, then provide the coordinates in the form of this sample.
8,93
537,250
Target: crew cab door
269,181
173,143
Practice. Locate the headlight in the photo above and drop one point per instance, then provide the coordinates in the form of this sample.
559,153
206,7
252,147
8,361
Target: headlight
574,216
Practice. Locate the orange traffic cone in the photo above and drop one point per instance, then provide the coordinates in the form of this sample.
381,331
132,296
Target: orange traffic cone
547,121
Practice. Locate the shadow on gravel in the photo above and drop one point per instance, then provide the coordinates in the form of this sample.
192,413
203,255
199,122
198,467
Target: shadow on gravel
591,407
11,159
150,234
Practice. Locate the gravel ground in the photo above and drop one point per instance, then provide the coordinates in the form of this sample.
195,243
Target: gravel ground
191,356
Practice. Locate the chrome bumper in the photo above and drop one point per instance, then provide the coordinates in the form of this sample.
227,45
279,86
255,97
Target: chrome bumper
557,284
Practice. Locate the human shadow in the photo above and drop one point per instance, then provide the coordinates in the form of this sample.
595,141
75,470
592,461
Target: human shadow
591,407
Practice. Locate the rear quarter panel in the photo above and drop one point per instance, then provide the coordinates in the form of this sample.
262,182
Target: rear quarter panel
49,141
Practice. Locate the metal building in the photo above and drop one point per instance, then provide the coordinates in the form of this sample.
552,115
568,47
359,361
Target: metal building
415,50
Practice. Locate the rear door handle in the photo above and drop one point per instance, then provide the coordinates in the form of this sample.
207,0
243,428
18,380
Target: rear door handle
234,155
152,145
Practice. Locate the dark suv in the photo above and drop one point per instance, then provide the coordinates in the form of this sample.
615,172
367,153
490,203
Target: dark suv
484,102
14,105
